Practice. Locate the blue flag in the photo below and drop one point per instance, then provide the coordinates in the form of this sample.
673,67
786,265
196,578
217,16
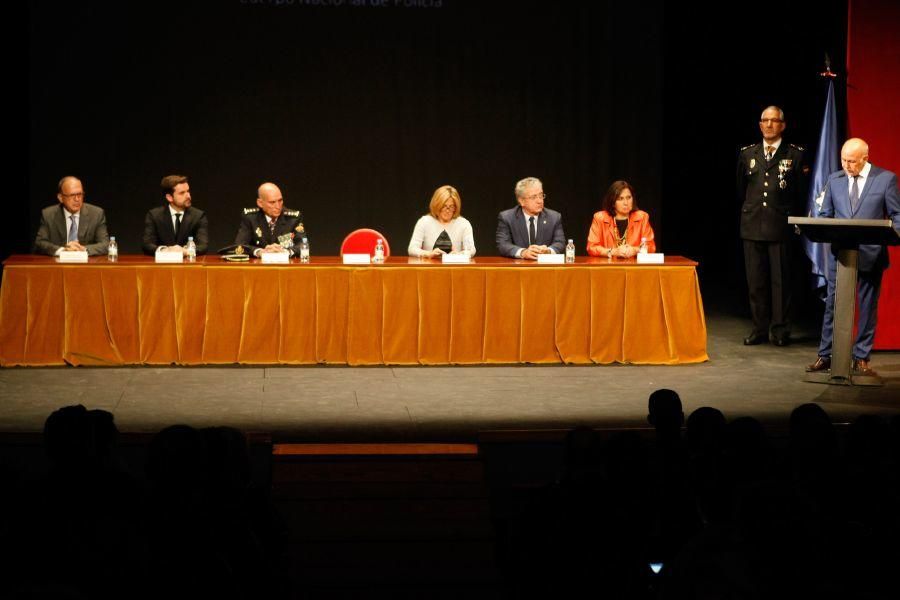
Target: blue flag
827,162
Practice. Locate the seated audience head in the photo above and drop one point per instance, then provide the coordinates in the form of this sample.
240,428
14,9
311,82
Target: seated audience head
530,195
664,410
176,458
812,432
706,430
445,204
70,193
177,191
620,199
75,437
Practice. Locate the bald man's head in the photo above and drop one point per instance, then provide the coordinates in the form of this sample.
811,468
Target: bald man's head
854,156
269,200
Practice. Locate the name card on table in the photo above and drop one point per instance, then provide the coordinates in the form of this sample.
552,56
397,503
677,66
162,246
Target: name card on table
73,256
551,259
275,258
656,258
456,259
356,259
169,257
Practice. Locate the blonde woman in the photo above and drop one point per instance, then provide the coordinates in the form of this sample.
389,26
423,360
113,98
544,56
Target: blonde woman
443,230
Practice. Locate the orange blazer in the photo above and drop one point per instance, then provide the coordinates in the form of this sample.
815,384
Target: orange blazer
604,232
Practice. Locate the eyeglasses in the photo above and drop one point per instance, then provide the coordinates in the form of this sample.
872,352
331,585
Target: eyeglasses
534,197
771,120
73,195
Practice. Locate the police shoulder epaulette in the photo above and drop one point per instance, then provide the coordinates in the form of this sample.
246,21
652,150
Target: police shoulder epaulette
292,213
250,211
800,148
747,146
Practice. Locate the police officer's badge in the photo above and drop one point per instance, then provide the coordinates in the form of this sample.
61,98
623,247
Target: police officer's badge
286,240
752,163
784,165
258,232
299,228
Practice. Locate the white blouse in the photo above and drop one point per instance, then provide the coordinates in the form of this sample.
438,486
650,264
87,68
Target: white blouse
428,229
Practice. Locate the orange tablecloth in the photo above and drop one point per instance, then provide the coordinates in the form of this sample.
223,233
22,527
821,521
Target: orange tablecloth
408,311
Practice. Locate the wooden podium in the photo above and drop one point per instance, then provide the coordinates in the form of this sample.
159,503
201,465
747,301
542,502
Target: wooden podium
846,235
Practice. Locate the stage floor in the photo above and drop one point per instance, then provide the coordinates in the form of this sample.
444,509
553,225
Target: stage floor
324,403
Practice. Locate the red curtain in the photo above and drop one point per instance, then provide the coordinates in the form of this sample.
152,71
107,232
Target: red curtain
873,107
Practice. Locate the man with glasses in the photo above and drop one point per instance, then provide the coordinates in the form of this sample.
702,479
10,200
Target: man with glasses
73,224
529,229
770,180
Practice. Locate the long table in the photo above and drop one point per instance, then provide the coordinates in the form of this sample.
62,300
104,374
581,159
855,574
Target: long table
407,311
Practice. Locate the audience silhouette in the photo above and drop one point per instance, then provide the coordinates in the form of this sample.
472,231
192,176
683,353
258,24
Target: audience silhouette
702,508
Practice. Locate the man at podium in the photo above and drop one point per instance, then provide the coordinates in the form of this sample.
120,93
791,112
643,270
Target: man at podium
859,191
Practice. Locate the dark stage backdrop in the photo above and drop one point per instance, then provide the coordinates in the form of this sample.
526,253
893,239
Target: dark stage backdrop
357,111
360,111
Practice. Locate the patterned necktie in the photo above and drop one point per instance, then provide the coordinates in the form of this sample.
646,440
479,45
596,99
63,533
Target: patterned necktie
770,150
531,232
854,194
272,228
73,230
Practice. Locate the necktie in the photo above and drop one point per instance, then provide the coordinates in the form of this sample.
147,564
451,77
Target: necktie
531,233
854,194
272,227
770,150
177,223
73,230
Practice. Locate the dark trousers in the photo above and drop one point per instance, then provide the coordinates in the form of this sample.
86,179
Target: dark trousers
768,267
868,287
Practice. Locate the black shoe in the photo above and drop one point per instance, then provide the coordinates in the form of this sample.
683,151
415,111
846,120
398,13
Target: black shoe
755,338
781,341
823,363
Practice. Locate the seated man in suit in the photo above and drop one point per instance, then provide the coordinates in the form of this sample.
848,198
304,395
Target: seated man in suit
270,227
168,227
859,191
530,229
73,224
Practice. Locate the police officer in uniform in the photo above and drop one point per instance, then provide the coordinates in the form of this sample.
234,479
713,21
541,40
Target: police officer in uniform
270,227
770,178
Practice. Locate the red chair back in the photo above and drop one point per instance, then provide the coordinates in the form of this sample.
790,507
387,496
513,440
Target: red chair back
362,241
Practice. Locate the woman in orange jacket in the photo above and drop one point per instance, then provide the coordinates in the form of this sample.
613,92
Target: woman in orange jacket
618,229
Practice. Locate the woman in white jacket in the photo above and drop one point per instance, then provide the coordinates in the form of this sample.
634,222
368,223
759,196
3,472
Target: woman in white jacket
443,231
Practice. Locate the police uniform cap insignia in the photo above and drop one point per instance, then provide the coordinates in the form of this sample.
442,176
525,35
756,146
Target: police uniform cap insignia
299,228
258,232
250,211
234,253
292,213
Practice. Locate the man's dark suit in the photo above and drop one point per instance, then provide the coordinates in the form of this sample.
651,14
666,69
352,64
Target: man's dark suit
159,229
879,199
766,204
53,234
512,231
254,230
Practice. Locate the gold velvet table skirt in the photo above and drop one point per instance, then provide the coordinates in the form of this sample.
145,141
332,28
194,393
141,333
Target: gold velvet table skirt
405,312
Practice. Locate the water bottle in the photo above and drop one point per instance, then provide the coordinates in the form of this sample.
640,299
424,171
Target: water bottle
643,248
570,252
379,252
112,252
304,250
191,250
